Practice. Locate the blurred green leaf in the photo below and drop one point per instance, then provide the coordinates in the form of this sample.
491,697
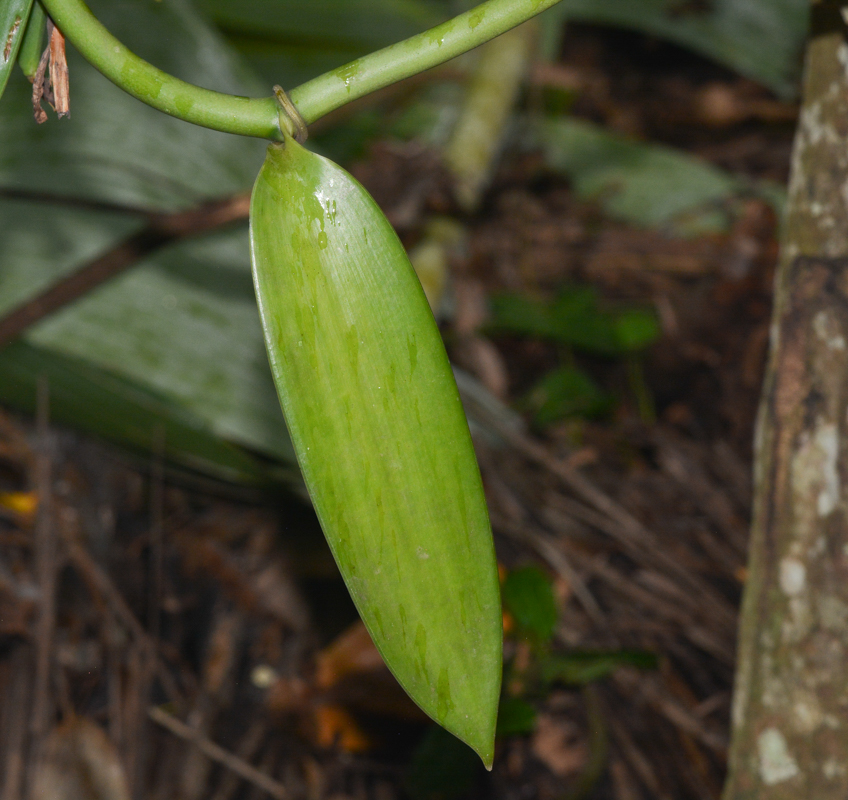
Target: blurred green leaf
574,319
643,184
528,595
565,392
761,39
181,325
517,313
582,324
114,148
365,24
120,410
13,19
581,667
442,767
635,330
290,41
515,716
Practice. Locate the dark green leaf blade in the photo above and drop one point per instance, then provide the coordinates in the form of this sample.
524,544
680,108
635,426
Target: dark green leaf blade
566,392
13,19
761,39
581,667
529,597
380,435
120,410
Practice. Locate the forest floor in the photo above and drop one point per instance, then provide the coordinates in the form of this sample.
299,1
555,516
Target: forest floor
198,639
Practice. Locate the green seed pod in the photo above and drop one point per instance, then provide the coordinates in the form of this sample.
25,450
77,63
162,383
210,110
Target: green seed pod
380,435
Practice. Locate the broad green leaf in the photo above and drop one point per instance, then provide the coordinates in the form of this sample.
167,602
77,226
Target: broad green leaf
565,392
120,410
291,41
644,184
575,319
528,596
582,667
181,325
380,435
359,24
761,39
13,20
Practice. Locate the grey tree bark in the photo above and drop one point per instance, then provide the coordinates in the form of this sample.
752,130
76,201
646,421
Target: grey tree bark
790,711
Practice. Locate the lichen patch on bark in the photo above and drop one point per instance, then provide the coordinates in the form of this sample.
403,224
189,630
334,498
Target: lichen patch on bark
776,764
793,576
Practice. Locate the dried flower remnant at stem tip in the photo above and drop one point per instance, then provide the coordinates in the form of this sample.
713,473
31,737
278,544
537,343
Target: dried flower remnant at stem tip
59,73
289,112
50,81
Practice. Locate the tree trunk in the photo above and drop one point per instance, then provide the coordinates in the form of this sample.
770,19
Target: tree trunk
790,711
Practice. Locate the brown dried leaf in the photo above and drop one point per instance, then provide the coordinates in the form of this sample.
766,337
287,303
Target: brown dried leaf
353,651
335,727
59,73
558,746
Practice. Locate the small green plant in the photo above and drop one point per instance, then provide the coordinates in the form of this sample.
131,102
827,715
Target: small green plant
535,669
575,321
362,375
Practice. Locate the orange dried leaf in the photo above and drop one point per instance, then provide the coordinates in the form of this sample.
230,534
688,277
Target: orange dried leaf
335,727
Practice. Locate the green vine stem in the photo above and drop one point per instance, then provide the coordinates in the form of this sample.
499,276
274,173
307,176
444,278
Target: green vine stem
313,99
222,112
331,90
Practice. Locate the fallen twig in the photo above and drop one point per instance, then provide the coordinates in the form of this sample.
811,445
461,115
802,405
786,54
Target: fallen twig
628,531
219,754
97,579
161,230
46,569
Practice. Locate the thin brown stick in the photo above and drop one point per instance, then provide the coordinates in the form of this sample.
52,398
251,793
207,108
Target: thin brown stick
637,760
707,639
157,545
140,665
628,531
97,579
667,706
247,749
556,560
219,754
16,706
161,230
46,568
